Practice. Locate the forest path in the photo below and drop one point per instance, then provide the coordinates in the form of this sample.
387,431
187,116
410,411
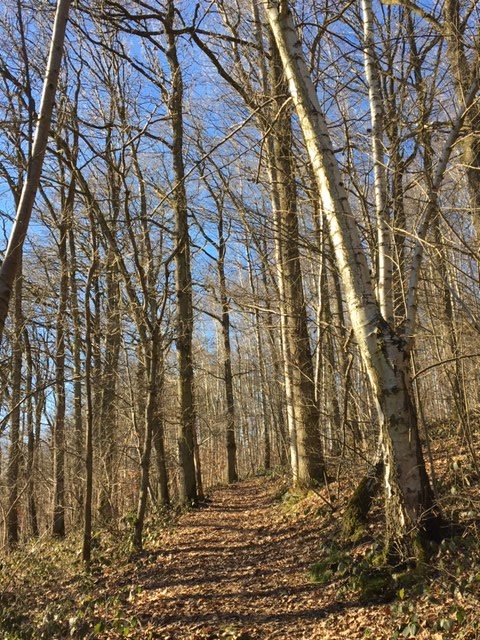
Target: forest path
237,569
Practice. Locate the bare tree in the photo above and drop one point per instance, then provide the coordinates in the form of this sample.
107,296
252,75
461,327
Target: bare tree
11,260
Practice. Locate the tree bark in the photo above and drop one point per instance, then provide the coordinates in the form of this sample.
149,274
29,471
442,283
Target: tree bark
183,276
59,426
13,469
232,475
77,373
89,431
159,444
383,218
309,449
31,444
152,362
410,509
12,259
109,385
267,449
464,73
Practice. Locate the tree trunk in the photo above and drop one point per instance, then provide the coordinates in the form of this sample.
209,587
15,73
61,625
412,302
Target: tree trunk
31,444
409,509
160,455
183,276
152,362
266,78
309,449
384,247
11,262
87,528
13,469
276,405
77,373
267,449
464,73
232,475
107,409
59,427
109,385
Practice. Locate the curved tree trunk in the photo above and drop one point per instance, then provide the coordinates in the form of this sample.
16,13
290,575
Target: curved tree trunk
12,259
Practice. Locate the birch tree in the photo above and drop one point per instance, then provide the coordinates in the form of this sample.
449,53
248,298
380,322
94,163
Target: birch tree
410,508
383,218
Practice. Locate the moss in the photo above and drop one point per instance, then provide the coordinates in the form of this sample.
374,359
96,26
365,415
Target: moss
355,514
291,499
422,550
410,580
359,505
377,580
334,562
376,585
372,577
379,559
414,550
321,572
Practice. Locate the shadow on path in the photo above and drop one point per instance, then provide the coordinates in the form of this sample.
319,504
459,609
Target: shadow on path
239,562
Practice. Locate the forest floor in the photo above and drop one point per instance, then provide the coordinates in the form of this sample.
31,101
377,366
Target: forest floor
242,567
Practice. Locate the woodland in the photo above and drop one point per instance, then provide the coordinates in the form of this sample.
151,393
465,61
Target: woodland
239,319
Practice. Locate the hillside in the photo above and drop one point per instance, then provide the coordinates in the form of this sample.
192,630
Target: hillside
255,561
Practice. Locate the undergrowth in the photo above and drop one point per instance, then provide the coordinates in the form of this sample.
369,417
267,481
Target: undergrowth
47,594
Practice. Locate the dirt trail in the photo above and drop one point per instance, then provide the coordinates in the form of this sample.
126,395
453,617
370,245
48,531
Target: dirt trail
237,569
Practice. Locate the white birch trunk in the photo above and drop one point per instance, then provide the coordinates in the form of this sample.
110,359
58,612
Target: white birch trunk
384,248
409,496
287,361
276,209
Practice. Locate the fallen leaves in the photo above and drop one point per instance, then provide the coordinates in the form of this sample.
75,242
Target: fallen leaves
238,570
